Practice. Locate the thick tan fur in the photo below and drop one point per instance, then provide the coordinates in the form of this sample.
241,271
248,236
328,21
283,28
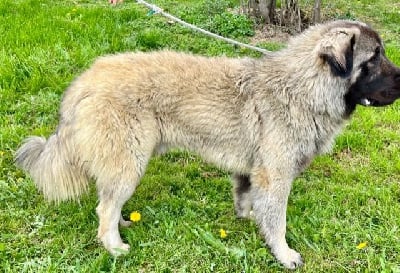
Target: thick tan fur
264,119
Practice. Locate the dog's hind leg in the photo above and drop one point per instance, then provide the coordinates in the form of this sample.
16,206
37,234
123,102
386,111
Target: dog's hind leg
116,185
242,195
120,161
113,192
270,191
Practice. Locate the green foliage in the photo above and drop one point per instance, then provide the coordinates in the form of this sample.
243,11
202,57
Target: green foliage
218,17
211,7
348,15
234,25
349,196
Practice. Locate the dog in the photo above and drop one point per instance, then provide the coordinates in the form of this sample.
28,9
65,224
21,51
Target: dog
262,119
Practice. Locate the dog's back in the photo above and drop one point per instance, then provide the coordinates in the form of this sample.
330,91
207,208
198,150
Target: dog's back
186,101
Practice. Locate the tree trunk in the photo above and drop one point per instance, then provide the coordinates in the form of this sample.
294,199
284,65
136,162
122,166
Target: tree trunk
317,12
264,9
290,14
267,10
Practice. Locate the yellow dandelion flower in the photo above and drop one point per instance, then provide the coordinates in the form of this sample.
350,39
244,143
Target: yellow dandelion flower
135,216
361,245
222,233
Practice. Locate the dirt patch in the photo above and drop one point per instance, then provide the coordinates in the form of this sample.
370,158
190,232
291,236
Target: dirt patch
270,33
279,32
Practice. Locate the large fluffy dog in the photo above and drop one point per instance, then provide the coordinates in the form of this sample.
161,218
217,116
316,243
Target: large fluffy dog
263,119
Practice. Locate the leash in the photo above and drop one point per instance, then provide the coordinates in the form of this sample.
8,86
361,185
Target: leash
155,9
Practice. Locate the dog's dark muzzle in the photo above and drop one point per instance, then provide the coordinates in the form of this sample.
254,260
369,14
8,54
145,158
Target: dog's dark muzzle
381,98
382,91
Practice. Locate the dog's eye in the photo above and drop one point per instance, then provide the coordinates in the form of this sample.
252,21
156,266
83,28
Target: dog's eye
377,53
365,69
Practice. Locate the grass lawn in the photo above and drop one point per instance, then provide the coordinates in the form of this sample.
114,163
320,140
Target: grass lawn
345,198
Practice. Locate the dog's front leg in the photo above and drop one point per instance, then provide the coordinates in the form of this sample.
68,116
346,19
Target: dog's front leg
270,192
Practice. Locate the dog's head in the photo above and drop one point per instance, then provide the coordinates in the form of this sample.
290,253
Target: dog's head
355,52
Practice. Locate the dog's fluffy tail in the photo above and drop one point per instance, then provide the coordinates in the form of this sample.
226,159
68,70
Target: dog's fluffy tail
53,167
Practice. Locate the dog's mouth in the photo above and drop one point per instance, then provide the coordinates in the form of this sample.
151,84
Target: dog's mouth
382,98
369,102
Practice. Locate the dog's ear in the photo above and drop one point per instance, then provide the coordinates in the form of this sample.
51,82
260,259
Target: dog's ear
336,48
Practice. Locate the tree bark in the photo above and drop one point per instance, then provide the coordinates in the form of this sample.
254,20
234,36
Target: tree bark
290,14
317,12
267,10
264,9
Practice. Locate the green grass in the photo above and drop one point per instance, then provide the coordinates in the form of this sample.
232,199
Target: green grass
349,196
383,15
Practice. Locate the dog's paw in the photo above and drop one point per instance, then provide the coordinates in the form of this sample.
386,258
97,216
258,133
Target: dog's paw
112,242
245,214
289,258
120,250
